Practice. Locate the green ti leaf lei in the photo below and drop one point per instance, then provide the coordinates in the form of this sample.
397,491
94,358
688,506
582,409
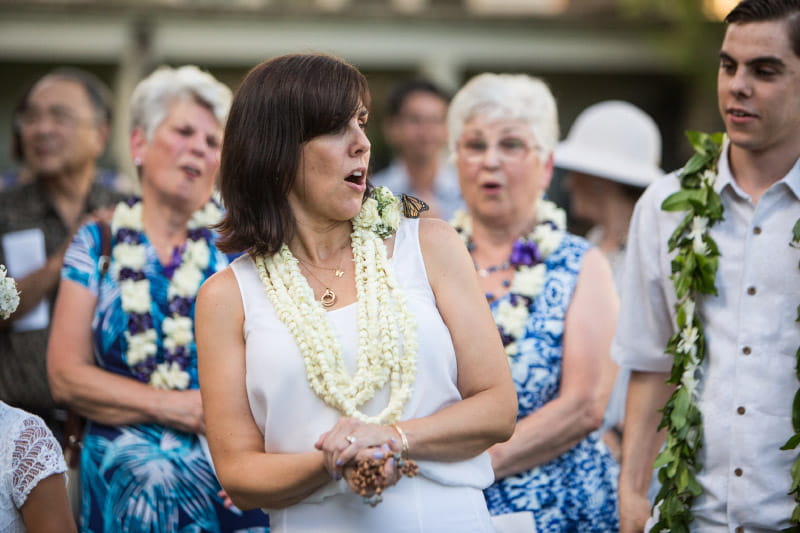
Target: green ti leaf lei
694,270
794,440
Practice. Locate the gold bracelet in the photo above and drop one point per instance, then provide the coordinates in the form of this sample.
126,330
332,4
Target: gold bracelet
404,453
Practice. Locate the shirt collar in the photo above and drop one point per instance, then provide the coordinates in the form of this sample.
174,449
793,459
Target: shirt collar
725,176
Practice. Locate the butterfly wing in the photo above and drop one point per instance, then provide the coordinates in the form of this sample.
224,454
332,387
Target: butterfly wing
413,207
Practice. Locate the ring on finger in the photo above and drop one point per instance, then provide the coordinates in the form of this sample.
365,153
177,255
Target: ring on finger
351,439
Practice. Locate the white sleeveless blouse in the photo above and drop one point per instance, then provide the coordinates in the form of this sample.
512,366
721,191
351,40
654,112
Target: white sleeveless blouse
292,417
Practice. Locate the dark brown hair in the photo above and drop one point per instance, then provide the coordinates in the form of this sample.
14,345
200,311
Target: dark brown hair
281,104
403,90
764,10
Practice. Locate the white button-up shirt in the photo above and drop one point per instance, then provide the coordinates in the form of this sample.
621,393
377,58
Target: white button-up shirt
748,376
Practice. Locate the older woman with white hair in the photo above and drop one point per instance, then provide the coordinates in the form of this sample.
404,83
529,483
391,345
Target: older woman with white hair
553,300
122,350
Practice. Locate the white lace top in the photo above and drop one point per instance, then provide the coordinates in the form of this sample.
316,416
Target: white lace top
28,454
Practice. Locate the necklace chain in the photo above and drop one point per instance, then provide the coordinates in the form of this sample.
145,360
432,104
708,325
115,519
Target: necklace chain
328,297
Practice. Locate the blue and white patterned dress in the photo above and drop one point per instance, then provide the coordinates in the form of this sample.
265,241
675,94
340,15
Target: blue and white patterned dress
145,477
575,492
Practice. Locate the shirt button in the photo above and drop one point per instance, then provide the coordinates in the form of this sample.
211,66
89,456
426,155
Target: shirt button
738,472
739,529
757,230
751,290
746,350
741,410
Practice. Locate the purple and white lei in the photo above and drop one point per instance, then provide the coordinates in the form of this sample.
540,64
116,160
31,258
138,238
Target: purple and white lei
527,258
129,257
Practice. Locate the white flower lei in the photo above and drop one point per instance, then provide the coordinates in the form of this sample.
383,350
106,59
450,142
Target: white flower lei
512,313
129,259
383,319
9,297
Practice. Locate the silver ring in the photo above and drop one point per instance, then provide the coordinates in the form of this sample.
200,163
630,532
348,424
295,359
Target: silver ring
351,439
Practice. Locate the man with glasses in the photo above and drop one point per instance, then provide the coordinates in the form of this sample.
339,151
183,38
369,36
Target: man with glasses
416,129
61,129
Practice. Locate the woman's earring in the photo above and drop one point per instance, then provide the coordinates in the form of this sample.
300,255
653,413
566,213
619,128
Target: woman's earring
137,161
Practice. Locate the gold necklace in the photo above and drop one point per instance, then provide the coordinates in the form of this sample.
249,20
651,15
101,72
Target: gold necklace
328,297
338,272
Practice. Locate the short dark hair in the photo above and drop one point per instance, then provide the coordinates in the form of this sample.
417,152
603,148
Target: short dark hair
281,104
400,93
764,10
98,92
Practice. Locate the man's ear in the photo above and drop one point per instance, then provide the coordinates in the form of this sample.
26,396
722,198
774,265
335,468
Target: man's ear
102,135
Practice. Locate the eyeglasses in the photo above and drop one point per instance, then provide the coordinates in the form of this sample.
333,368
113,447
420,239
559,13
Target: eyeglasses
60,116
509,149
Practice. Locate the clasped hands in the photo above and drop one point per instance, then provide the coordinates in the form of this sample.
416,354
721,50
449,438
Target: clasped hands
355,450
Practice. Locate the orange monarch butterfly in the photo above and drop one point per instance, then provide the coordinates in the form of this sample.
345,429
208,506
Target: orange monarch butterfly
413,207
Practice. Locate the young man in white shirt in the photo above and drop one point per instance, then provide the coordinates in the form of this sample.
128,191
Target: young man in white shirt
747,381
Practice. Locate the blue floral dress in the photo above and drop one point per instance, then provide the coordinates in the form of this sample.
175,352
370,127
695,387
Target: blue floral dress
575,492
145,477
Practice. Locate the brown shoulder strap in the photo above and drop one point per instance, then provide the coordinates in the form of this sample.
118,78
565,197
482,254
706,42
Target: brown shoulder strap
105,250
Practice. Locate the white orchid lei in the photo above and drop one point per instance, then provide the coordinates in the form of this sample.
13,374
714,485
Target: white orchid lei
9,297
187,272
527,257
383,319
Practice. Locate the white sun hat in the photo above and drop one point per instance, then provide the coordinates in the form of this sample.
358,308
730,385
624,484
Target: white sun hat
614,140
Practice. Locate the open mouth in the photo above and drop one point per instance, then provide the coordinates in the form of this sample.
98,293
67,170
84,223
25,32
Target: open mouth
358,177
191,171
491,186
738,113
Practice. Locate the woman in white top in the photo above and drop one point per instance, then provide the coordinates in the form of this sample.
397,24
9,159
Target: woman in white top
33,490
348,333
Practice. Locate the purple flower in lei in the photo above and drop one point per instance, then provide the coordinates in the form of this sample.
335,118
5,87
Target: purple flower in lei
181,306
174,262
525,252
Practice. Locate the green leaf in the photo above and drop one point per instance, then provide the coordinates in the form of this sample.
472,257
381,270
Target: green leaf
792,443
694,486
682,399
679,231
796,233
684,199
697,162
663,458
697,140
796,412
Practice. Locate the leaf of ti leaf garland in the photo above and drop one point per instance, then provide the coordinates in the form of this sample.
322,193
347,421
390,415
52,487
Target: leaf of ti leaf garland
684,199
697,162
796,234
796,412
792,443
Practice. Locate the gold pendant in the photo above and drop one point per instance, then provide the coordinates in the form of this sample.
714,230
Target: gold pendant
328,298
339,273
